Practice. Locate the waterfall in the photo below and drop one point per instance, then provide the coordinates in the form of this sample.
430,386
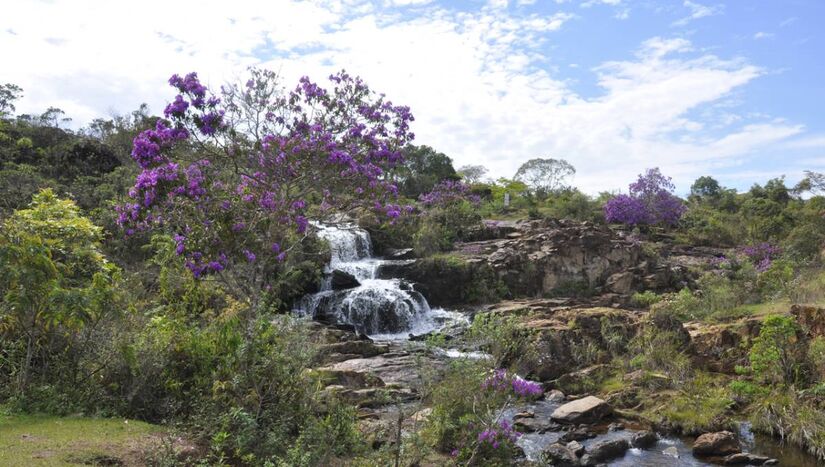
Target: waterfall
379,308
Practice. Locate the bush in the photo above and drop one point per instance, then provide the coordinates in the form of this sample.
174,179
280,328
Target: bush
775,354
645,299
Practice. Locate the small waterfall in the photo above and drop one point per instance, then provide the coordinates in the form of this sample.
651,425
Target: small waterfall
379,308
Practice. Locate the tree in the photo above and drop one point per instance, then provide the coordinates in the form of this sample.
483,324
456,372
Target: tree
472,173
423,168
650,202
705,187
545,176
235,178
53,277
8,94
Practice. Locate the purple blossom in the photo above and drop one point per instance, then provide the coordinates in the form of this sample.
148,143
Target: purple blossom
249,256
176,108
650,202
761,254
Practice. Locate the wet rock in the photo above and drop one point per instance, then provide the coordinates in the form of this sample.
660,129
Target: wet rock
771,462
527,422
342,280
644,439
586,410
576,448
615,427
579,434
671,451
559,456
745,458
605,450
720,443
399,253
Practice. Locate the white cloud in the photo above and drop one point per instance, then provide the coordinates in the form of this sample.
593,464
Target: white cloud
763,35
698,11
478,82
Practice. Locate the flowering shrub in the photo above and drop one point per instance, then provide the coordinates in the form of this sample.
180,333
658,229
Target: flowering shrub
236,175
448,192
651,201
482,431
761,254
451,209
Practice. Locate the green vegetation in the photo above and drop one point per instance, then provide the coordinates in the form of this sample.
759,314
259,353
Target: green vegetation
39,440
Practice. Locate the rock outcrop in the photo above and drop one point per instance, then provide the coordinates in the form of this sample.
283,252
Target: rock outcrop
541,258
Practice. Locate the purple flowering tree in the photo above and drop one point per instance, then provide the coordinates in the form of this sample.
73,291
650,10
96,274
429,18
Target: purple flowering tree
650,202
234,176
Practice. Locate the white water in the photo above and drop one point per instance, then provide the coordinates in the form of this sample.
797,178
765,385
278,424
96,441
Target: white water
384,309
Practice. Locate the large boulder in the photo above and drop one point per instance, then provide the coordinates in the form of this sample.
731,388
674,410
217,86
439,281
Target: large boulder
342,280
589,409
604,451
559,455
644,439
721,443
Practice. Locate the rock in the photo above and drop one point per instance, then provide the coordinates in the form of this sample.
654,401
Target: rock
586,410
579,434
720,443
771,462
605,450
559,456
576,448
529,423
554,395
620,282
342,280
671,451
399,253
644,439
615,426
745,458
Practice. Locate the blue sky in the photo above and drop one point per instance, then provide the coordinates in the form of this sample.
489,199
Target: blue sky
729,88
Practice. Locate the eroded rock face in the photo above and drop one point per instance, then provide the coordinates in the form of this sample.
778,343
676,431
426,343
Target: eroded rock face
588,409
721,443
543,258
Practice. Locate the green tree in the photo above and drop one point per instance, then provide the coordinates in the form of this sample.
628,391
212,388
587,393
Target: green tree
423,169
8,94
775,354
53,278
545,176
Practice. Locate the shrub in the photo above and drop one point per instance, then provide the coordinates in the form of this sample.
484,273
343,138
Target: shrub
775,354
645,299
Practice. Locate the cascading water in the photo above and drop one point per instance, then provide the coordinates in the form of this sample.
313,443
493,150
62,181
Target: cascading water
379,308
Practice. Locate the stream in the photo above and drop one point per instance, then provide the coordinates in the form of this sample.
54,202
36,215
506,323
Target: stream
391,310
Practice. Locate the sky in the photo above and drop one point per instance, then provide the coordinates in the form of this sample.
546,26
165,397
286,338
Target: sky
729,88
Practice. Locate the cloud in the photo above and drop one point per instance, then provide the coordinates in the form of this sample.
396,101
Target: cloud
698,11
763,35
479,82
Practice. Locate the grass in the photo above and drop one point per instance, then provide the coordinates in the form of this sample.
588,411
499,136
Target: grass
33,440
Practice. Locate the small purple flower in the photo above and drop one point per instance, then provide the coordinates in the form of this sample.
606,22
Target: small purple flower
249,256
